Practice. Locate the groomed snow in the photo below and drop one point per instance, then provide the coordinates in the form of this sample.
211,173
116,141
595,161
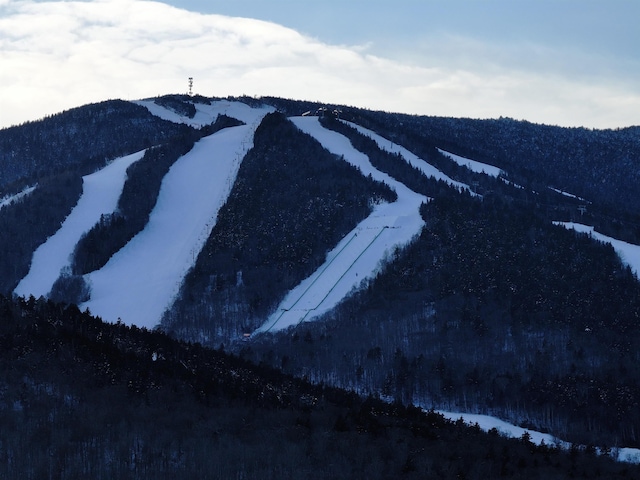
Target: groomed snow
359,255
207,114
567,194
412,159
142,279
486,423
628,252
100,193
9,199
474,166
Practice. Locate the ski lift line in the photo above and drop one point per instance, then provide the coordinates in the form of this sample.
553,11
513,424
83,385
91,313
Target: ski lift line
283,311
327,265
344,273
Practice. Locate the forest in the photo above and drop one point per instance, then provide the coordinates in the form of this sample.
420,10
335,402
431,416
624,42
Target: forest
83,399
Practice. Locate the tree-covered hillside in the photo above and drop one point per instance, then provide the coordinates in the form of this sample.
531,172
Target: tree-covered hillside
600,166
491,309
82,139
84,399
494,310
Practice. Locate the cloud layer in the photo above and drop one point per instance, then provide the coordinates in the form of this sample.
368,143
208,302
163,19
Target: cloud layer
60,54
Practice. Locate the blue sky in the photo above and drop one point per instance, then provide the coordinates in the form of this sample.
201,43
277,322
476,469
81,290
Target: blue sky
562,62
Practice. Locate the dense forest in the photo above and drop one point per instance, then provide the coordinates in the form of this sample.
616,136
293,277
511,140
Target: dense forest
82,139
84,399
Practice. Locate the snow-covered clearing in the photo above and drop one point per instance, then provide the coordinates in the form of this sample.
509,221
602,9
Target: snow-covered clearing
486,423
207,114
358,256
628,252
100,193
142,279
9,199
412,159
566,194
474,166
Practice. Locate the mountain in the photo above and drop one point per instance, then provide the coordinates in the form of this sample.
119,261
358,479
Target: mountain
432,261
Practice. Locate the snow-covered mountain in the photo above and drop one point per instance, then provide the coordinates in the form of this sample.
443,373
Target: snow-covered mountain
349,246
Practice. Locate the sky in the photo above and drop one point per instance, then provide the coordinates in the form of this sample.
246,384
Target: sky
558,62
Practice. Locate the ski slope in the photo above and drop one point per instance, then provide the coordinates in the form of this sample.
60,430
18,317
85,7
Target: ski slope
207,114
359,255
141,281
487,422
412,159
628,252
9,199
100,193
474,166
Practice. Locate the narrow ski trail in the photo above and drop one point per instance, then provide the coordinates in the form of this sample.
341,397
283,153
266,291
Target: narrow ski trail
100,193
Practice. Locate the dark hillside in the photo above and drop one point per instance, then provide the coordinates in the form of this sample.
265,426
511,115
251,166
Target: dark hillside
491,309
598,165
82,139
26,224
83,399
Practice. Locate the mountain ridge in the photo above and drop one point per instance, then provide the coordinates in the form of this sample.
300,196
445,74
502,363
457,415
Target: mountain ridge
487,306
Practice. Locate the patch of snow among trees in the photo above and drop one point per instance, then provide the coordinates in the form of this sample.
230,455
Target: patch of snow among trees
628,252
474,166
487,423
9,199
100,193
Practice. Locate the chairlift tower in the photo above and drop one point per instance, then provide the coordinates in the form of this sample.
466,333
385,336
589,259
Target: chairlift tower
190,86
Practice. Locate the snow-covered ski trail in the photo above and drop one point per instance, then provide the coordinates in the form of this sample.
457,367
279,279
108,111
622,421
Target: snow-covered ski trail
141,281
411,158
10,199
206,114
358,256
629,253
100,193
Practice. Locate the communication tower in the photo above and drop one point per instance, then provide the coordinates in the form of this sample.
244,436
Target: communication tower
190,86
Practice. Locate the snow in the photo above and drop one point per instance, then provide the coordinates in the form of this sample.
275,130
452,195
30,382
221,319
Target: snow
487,422
9,199
473,165
207,114
412,159
628,252
141,281
566,194
358,256
100,193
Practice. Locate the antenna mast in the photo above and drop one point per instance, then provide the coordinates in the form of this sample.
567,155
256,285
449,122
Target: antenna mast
190,86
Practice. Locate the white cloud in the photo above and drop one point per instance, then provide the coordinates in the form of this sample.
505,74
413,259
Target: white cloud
57,55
